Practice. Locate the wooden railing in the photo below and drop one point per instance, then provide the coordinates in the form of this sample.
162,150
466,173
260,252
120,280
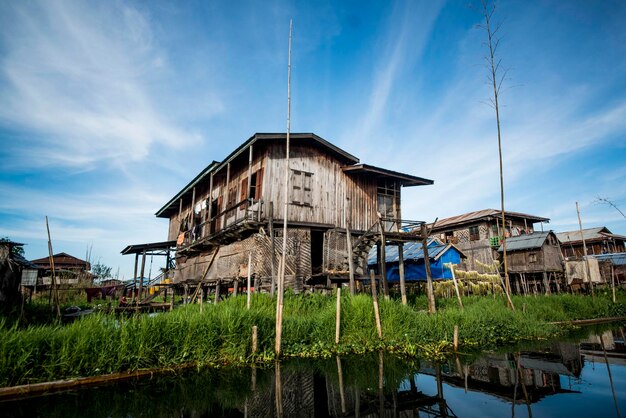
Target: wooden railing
247,210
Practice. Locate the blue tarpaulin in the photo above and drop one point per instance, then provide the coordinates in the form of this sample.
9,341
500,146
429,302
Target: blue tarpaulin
414,267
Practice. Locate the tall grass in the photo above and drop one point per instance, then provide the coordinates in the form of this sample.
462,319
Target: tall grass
221,334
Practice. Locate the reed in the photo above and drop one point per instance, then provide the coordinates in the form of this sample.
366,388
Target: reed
220,334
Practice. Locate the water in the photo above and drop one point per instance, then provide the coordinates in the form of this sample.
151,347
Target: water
554,379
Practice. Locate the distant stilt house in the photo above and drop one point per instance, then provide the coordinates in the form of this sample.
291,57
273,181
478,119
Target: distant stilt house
233,210
439,255
478,234
534,260
599,240
69,270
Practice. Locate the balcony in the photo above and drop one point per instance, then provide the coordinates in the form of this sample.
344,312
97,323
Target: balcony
230,225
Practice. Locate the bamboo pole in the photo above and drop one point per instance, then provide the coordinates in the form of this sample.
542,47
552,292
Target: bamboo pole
608,369
273,265
379,329
54,277
350,256
613,281
143,271
249,300
582,237
338,316
281,277
383,258
456,285
456,338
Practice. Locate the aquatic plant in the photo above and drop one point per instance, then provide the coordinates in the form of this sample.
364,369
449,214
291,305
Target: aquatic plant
221,334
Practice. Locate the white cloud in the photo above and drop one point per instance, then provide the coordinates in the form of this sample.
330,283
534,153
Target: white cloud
77,78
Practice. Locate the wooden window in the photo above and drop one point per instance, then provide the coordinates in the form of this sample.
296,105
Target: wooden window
474,233
301,188
532,257
244,189
232,196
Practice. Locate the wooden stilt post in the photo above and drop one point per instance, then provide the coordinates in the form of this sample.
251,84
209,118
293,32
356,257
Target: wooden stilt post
429,278
382,262
338,316
143,269
135,278
273,261
456,338
401,271
375,301
613,281
249,300
217,292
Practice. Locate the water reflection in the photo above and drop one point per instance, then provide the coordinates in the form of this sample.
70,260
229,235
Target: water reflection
582,378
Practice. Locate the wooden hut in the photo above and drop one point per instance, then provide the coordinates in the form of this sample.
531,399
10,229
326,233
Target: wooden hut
599,240
534,261
232,212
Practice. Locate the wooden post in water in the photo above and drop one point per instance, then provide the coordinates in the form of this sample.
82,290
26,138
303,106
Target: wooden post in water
401,271
342,395
254,339
338,316
278,391
379,328
249,283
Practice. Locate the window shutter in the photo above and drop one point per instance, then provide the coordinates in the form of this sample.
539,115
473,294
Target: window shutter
259,184
244,189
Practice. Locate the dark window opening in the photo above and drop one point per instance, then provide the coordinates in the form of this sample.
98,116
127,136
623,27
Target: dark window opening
474,233
317,252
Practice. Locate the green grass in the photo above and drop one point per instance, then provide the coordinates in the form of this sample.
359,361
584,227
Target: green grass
221,334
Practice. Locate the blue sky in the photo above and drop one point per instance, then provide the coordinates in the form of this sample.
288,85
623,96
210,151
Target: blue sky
108,108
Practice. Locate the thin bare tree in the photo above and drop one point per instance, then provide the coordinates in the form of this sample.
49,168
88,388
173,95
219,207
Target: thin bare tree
606,201
496,75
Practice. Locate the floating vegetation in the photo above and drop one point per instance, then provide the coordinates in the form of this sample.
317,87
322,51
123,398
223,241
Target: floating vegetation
221,334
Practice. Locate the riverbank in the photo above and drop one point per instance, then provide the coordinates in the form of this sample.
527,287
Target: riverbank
221,334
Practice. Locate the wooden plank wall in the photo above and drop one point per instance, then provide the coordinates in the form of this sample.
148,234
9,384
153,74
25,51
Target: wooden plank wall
330,187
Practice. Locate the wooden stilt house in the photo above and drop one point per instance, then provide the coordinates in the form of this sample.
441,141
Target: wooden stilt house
535,262
232,212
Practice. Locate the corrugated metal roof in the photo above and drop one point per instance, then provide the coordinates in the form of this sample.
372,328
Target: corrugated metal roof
617,259
485,213
600,232
526,242
412,251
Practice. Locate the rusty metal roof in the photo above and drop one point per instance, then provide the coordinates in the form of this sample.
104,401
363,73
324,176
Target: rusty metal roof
485,214
526,242
590,234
